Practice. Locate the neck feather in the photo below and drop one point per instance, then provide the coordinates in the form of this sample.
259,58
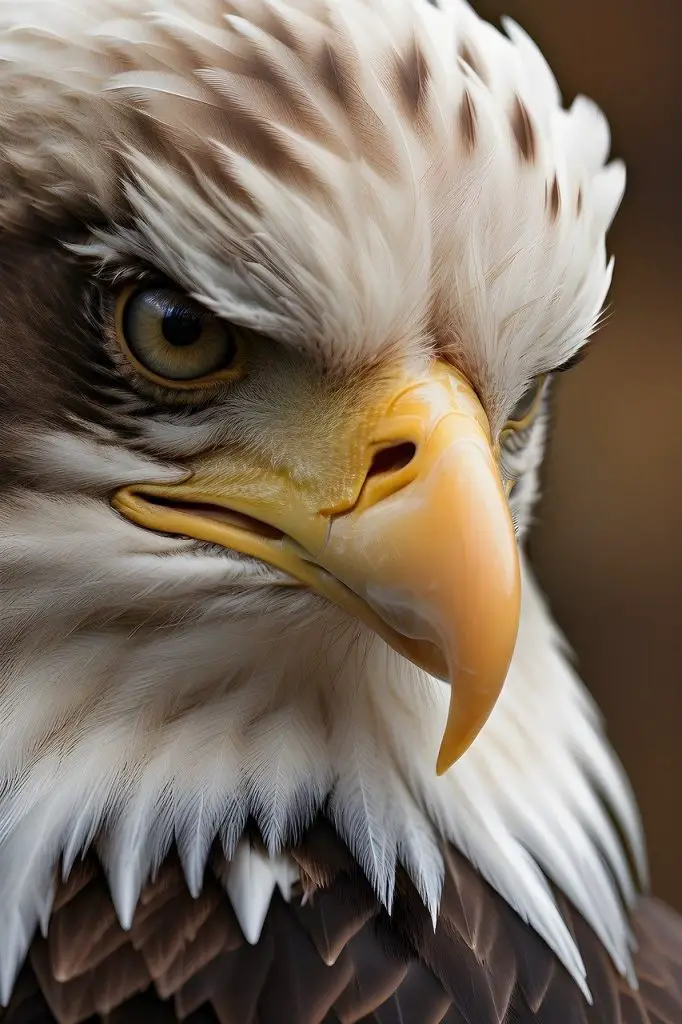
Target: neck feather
134,741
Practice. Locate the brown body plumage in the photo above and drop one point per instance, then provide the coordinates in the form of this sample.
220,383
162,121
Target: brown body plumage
331,955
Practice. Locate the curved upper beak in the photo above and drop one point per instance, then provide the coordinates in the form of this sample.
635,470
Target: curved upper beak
407,527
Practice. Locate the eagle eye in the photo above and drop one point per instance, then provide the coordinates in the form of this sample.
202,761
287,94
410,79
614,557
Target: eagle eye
172,340
528,406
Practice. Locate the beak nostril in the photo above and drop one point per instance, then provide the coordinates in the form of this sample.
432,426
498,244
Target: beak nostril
390,460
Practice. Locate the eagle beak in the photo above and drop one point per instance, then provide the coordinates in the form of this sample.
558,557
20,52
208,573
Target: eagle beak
406,525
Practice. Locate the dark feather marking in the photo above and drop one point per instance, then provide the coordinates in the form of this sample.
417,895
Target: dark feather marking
219,168
54,364
338,70
466,55
554,200
413,79
523,131
261,141
270,78
468,121
334,75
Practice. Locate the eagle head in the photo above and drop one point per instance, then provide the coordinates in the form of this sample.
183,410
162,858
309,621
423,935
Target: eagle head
283,288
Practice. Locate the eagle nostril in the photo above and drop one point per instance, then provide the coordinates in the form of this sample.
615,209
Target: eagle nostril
382,480
390,460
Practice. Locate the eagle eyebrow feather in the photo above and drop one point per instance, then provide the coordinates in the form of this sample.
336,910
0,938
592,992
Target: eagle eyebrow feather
112,265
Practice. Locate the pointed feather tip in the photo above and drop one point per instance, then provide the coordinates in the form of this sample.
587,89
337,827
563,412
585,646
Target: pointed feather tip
432,906
11,958
250,885
286,874
194,868
45,909
125,893
194,883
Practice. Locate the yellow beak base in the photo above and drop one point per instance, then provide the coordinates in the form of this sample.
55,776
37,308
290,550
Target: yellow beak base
406,526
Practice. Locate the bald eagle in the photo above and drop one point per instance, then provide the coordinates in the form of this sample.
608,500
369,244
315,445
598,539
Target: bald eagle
287,733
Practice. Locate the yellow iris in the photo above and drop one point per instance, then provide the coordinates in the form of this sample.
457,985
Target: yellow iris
173,341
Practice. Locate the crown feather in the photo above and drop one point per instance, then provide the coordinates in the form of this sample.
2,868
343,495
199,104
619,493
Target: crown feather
394,170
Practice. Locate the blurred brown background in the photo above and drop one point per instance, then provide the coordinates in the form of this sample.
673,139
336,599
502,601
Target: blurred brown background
608,546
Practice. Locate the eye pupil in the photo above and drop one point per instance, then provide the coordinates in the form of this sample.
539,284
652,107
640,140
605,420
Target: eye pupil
182,327
174,339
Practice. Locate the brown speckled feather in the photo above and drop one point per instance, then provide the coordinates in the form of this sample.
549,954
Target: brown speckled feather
330,956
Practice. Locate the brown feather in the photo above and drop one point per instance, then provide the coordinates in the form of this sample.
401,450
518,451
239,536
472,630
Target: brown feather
204,983
83,932
101,990
332,920
82,872
236,1000
376,978
169,932
216,935
419,997
335,958
300,986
